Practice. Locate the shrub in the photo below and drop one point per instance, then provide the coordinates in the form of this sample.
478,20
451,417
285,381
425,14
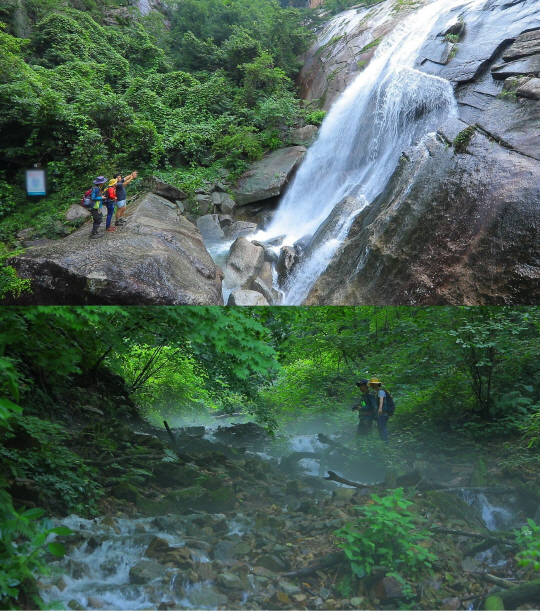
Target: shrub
386,533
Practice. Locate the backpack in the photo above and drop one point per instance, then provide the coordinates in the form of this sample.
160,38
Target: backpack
87,201
109,195
389,404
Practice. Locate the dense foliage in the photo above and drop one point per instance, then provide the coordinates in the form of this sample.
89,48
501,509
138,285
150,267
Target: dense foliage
97,89
469,368
473,371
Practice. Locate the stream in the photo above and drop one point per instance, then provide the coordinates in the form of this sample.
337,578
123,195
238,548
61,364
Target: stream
108,565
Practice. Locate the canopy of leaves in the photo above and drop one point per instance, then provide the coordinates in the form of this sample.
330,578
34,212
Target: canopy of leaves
208,82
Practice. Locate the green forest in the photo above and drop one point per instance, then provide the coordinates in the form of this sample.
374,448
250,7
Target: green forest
91,87
85,391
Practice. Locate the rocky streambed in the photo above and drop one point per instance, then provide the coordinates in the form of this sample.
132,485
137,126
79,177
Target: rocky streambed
228,526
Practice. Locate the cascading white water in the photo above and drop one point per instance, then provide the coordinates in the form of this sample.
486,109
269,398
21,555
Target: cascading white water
388,107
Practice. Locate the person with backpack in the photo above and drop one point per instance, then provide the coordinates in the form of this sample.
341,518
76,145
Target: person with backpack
384,408
365,408
110,200
96,201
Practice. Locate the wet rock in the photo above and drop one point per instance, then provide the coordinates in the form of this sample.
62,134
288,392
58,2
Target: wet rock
269,293
301,245
163,262
530,89
229,581
159,187
304,136
74,213
204,204
246,298
170,474
243,263
265,273
73,604
195,431
209,226
288,587
527,65
146,571
207,597
225,551
286,262
343,494
126,491
489,261
157,549
266,178
227,205
525,44
387,589
237,229
271,563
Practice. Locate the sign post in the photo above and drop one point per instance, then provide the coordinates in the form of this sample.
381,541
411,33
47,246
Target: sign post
36,184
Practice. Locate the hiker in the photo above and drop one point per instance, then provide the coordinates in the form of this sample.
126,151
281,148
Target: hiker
121,196
110,200
365,409
380,409
97,197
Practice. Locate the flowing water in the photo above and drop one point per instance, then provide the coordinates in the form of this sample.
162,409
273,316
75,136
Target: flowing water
388,107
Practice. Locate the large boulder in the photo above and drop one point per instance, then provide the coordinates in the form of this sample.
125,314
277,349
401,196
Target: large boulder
267,177
243,264
247,298
157,186
449,228
157,258
304,136
209,226
76,212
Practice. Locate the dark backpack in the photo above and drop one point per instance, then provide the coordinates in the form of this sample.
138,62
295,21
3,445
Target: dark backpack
389,405
87,201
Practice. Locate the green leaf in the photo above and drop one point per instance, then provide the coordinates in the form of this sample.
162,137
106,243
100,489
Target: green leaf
57,549
61,530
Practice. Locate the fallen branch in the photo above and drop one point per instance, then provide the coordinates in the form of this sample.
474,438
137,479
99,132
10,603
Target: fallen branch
174,445
320,564
498,581
324,439
112,461
514,597
481,490
336,478
465,533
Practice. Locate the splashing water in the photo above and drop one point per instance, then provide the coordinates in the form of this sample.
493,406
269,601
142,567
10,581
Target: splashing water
388,107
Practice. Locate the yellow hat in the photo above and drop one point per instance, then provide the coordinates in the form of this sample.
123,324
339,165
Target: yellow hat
112,182
374,381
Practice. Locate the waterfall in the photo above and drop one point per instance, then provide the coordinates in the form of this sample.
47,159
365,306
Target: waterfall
388,107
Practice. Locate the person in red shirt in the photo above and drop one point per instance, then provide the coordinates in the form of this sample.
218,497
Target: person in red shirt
109,199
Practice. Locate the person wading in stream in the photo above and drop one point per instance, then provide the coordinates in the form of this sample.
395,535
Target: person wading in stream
381,414
365,408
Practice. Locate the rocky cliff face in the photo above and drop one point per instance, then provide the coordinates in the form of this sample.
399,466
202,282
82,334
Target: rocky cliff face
157,258
342,49
458,223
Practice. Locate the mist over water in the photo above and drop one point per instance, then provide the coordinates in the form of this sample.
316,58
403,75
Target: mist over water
390,106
